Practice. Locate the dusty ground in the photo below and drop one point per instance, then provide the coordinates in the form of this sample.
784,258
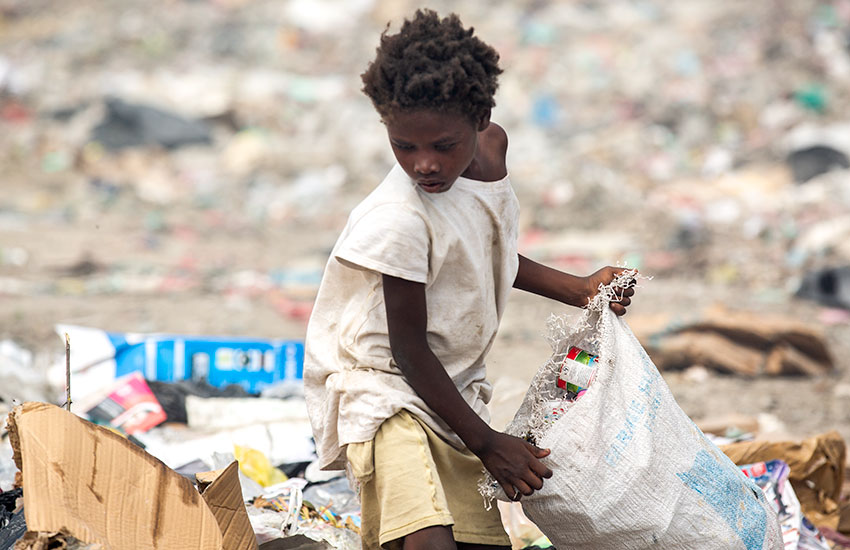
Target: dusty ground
804,405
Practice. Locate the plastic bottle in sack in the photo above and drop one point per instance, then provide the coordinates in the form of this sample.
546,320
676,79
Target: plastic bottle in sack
578,371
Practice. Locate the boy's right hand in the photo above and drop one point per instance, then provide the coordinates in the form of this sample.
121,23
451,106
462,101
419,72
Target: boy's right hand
515,463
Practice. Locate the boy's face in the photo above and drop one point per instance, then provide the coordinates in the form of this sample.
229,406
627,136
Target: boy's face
433,147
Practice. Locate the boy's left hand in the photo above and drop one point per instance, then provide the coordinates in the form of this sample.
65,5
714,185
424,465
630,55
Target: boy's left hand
604,276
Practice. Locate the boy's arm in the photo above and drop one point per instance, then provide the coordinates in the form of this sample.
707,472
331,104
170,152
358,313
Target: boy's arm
513,462
568,289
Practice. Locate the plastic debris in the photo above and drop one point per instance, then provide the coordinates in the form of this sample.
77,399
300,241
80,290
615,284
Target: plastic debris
256,466
829,286
797,531
132,125
814,161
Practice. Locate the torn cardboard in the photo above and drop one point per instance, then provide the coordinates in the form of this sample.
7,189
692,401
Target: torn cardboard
90,483
734,342
223,494
817,473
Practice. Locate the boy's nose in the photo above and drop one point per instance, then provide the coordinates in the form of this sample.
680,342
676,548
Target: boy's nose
426,165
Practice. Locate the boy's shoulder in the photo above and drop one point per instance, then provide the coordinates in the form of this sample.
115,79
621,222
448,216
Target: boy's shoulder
493,145
497,137
395,189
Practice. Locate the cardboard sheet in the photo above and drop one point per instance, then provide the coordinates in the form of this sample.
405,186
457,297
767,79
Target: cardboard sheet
734,342
223,495
88,482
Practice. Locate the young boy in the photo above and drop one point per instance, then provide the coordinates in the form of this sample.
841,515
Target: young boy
411,301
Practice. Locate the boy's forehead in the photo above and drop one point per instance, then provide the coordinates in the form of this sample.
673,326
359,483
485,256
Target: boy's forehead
427,123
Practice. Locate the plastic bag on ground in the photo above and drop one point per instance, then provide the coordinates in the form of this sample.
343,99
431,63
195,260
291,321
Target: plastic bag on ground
631,470
256,466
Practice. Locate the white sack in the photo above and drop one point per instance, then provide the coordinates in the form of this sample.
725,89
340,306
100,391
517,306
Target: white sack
631,470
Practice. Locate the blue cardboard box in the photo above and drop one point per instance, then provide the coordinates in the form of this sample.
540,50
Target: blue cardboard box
253,363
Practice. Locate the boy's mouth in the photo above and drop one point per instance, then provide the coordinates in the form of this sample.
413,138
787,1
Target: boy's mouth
431,186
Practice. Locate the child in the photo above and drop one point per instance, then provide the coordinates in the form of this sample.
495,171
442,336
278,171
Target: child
411,301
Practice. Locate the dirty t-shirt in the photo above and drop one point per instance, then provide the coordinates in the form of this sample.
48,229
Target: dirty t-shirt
462,244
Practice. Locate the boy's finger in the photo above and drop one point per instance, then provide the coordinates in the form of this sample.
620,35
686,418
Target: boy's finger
538,452
628,291
533,481
617,308
541,470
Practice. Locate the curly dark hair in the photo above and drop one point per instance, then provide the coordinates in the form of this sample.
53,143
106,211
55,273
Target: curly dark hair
433,63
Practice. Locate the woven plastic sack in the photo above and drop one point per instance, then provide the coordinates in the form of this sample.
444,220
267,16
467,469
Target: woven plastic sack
630,469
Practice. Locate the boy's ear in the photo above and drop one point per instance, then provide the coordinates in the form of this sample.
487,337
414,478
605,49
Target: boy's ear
484,121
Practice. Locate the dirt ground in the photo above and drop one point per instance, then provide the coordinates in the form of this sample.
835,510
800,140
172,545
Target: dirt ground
793,407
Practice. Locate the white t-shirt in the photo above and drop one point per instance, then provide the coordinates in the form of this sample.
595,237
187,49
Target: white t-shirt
462,244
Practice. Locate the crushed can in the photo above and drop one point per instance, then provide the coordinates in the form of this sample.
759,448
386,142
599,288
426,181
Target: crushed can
578,371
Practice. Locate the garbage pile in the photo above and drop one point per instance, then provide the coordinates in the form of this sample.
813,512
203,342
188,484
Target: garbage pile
180,429
246,460
190,174
245,118
74,479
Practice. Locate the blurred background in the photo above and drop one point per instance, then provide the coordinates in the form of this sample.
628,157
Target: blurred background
186,166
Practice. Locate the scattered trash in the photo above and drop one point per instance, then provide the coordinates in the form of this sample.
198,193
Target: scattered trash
222,413
130,406
14,529
184,203
98,357
132,125
729,428
814,161
8,506
797,531
173,395
816,473
735,343
830,287
256,466
286,511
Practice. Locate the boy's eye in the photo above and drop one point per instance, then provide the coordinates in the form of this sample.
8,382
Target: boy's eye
403,147
444,146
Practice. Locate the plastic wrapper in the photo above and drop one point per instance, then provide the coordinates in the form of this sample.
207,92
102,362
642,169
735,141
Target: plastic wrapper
797,532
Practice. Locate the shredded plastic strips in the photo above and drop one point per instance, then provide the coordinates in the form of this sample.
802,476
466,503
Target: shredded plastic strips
630,469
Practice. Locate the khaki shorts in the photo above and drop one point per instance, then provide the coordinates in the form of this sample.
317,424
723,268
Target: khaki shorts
411,479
